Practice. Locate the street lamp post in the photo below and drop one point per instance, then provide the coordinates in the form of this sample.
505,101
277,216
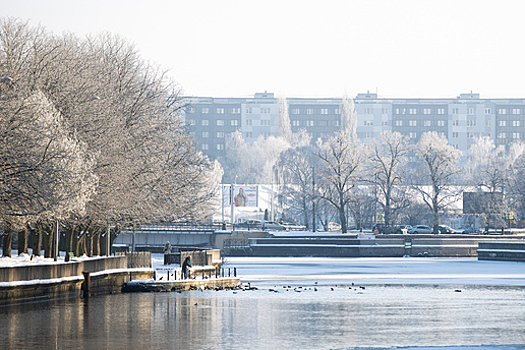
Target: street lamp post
313,200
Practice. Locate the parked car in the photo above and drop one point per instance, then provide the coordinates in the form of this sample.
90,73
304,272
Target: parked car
383,229
420,229
272,225
469,231
444,229
249,224
402,229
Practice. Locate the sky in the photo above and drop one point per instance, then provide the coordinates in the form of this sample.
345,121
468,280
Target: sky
397,48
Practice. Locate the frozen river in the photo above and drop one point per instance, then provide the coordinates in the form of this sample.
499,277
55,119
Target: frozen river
300,303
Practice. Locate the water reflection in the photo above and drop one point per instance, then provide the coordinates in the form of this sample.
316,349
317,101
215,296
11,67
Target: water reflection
344,317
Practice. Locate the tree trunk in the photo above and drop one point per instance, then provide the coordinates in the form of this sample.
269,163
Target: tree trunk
342,215
70,231
96,244
22,241
8,239
37,240
48,241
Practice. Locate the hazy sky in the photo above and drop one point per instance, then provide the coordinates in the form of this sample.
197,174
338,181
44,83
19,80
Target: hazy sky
311,48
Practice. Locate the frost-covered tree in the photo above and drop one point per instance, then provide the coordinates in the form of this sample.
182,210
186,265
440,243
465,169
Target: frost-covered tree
340,159
115,142
438,167
348,116
386,169
285,127
298,170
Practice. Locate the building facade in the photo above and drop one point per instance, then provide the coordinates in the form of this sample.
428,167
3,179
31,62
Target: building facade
461,119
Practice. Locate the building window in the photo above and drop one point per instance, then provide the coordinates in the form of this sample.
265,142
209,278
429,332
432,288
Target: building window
295,123
234,122
441,110
515,135
369,111
397,110
471,122
368,122
309,123
412,135
502,123
220,110
502,135
191,110
384,123
220,122
515,123
205,110
384,111
220,147
455,134
412,111
204,146
236,111
295,111
191,121
205,134
516,111
369,135
455,111
471,135
337,111
440,123
249,134
192,133
309,111
412,123
324,110
426,111
265,122
502,111
248,122
248,110
455,123
488,110
427,123
205,122
487,122
399,123
220,134
265,110
471,111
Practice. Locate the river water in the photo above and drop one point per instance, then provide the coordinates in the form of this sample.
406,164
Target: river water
284,312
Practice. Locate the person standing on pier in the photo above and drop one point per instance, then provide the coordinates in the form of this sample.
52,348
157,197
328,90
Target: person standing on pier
186,267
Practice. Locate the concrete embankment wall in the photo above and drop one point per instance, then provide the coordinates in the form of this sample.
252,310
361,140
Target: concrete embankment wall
66,279
508,251
379,246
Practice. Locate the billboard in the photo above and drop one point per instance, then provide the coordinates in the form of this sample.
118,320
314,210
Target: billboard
482,202
243,195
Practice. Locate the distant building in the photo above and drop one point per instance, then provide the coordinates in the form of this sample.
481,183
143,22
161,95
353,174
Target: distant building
460,119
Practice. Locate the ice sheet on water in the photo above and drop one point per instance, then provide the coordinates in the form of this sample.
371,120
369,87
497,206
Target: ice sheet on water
480,347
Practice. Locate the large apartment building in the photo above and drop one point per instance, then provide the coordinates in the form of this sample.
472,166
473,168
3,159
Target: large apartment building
460,119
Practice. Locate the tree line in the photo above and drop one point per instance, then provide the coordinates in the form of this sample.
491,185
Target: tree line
342,178
91,138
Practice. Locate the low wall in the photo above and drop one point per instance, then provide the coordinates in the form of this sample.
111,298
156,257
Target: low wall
66,279
61,270
508,251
